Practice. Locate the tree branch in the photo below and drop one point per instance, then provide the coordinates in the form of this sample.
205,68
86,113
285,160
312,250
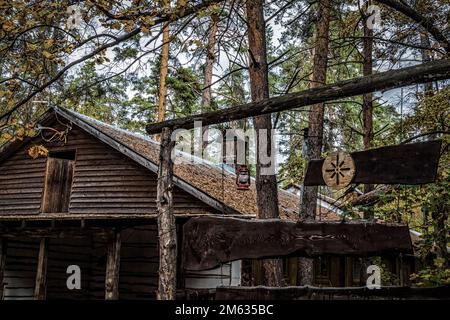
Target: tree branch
425,22
427,72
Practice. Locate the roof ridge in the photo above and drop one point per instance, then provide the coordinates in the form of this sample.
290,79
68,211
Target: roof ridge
140,136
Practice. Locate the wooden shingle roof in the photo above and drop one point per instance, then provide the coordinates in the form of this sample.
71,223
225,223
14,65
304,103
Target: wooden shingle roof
201,178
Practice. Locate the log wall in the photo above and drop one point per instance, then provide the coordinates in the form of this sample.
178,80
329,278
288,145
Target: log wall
104,181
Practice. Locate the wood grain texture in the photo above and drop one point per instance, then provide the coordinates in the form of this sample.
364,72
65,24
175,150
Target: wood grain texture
321,293
58,184
167,234
414,163
426,72
338,170
105,182
40,287
113,267
210,241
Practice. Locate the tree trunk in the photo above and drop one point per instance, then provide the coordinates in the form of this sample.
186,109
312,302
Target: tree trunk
266,183
315,128
163,68
208,72
367,100
166,221
425,42
440,216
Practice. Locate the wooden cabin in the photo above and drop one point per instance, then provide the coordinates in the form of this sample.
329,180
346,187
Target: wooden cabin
91,202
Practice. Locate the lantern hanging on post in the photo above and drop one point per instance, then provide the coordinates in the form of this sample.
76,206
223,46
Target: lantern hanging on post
242,177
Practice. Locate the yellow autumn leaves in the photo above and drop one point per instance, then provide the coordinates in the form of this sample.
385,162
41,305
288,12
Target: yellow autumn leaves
16,131
36,151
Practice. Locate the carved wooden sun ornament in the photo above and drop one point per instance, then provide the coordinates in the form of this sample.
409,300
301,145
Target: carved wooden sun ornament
338,170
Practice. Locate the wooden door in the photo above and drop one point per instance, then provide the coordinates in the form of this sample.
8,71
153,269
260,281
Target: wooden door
58,185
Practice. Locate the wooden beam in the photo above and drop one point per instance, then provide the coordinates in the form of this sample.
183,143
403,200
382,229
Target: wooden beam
209,242
113,267
427,72
54,233
65,216
40,287
330,293
3,249
414,163
167,232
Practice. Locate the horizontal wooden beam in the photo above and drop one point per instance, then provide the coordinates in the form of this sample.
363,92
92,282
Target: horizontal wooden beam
54,233
208,242
64,216
431,71
307,292
414,163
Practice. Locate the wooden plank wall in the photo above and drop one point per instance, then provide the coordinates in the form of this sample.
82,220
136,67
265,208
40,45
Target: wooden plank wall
138,267
21,184
105,181
139,263
81,252
20,269
138,272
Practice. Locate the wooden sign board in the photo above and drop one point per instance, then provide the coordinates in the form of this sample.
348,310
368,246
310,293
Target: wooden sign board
210,241
414,163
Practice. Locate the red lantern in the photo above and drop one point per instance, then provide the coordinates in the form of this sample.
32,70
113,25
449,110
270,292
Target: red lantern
242,177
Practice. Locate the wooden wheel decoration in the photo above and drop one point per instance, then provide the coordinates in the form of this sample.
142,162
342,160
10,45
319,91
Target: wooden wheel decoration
338,170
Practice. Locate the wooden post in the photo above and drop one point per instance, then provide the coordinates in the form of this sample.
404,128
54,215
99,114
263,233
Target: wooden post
113,267
166,221
40,286
3,248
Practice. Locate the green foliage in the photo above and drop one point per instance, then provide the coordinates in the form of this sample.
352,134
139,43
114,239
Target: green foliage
434,275
388,278
185,87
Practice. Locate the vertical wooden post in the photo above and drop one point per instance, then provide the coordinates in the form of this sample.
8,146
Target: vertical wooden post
400,270
348,271
292,270
166,221
40,286
3,248
113,267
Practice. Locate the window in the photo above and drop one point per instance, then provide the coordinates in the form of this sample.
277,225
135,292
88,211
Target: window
58,182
